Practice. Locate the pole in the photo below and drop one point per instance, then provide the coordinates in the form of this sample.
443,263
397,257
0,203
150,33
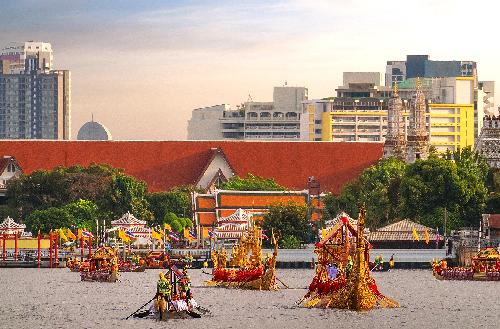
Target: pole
445,220
81,248
50,249
4,252
56,253
90,246
39,256
15,247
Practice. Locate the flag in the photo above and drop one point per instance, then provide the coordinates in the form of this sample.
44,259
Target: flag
323,233
87,234
415,235
79,233
204,232
173,236
62,235
70,234
211,233
192,235
426,236
122,236
129,234
264,236
186,233
155,235
167,227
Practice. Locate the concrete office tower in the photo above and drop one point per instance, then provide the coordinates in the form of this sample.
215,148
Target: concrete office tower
276,120
14,56
488,87
35,103
395,142
418,138
205,123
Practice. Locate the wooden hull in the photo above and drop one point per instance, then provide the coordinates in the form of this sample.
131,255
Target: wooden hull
474,277
99,277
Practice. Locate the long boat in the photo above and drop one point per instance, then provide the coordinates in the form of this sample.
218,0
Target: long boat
485,267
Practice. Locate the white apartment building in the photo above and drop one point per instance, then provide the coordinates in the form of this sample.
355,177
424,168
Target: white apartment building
276,120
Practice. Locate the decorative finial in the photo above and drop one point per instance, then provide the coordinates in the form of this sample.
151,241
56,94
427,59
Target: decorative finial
418,84
395,89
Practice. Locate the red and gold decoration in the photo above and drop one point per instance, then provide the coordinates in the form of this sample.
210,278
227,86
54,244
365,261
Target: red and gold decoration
248,270
342,276
485,267
102,266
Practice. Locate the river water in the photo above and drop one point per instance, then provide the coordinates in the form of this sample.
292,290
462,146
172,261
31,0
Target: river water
56,298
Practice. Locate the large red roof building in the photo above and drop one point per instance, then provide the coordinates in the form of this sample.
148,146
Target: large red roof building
166,164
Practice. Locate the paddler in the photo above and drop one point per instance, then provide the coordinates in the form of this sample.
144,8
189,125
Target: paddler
163,293
391,261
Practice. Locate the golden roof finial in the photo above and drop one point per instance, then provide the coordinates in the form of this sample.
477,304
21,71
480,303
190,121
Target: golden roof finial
395,89
418,84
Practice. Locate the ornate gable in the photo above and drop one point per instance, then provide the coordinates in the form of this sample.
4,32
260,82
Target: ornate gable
218,169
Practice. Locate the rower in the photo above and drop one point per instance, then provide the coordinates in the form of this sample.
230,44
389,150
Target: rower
163,292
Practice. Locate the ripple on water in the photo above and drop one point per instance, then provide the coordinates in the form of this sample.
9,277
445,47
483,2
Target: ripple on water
44,298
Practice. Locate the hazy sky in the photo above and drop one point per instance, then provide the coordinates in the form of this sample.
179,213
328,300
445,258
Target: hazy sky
142,66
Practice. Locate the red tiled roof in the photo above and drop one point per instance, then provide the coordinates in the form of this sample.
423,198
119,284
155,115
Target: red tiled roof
166,164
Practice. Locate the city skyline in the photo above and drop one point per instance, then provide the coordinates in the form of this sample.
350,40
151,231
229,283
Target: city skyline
143,67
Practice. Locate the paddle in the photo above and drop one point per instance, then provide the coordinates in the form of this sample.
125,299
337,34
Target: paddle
149,301
284,284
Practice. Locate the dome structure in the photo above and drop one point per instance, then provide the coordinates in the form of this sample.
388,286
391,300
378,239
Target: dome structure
93,131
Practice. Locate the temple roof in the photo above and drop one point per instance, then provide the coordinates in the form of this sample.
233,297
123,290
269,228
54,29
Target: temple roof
128,220
9,224
402,231
167,164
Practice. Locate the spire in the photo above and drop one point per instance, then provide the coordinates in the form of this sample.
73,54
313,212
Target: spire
395,89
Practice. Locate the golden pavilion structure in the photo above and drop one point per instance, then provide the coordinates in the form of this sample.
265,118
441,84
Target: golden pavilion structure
342,279
247,269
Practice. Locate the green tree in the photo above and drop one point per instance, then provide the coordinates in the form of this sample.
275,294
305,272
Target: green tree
125,193
48,219
251,183
176,201
378,187
84,212
288,220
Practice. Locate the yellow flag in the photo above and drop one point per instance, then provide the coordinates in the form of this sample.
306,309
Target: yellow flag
79,233
415,235
426,237
155,235
122,236
70,234
324,231
62,235
186,233
205,232
167,227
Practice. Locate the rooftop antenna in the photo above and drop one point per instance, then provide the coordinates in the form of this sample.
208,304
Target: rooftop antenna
92,114
285,83
250,98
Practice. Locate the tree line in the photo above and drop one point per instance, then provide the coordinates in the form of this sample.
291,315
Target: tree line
459,186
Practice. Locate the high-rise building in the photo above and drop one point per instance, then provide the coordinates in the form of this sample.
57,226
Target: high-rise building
35,101
360,112
420,66
15,54
276,120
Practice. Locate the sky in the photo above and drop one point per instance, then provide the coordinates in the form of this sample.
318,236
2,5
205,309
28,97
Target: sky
141,67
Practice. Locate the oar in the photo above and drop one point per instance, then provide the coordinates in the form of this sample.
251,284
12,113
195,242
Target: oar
284,284
149,301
